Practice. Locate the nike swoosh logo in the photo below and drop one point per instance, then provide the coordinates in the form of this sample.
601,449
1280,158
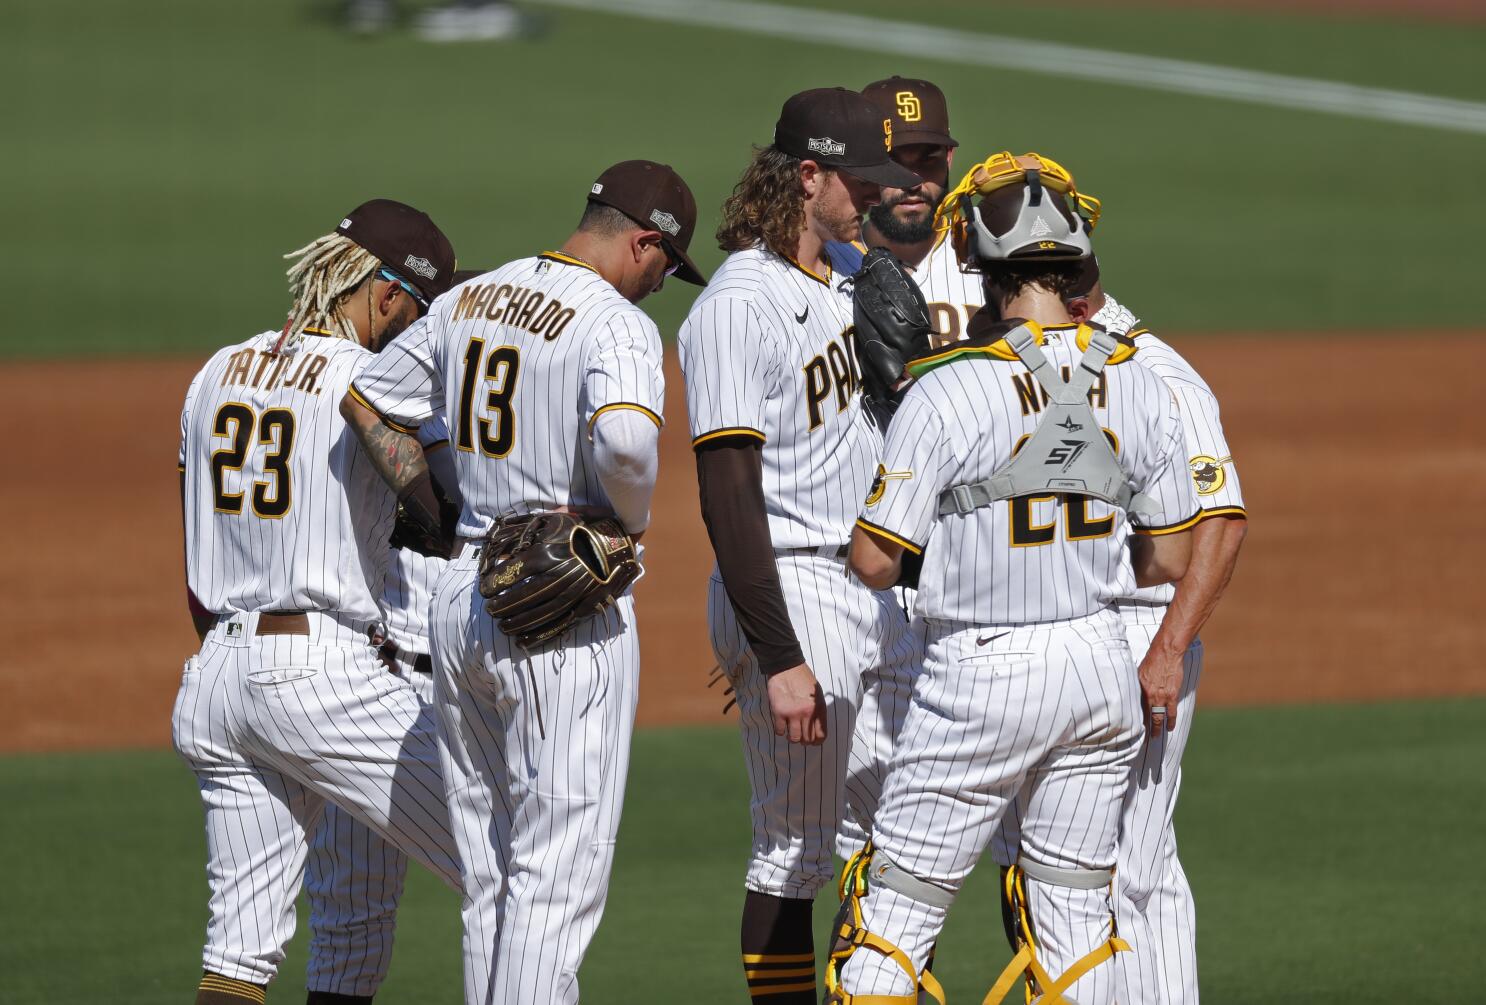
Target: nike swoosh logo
993,638
800,317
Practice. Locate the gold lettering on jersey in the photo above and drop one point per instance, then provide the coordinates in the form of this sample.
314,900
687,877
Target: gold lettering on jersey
529,310
831,370
1031,395
238,364
467,297
946,321
817,386
841,371
312,372
517,306
513,306
305,371
493,309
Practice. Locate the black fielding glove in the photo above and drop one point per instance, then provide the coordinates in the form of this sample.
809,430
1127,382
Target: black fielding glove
892,324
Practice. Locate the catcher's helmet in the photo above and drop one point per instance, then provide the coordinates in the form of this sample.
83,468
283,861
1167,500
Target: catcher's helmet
1025,222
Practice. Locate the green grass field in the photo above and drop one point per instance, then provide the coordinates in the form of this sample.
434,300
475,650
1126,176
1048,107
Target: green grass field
1334,852
162,154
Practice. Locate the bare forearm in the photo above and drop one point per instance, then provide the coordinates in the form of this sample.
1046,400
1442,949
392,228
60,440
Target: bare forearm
398,457
1215,547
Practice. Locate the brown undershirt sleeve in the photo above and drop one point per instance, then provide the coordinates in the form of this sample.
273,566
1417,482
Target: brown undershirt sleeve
730,473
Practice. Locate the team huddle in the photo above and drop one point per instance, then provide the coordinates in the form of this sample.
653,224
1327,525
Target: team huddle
968,517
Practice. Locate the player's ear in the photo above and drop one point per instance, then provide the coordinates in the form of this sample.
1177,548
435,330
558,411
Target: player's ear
1078,309
810,177
386,303
642,241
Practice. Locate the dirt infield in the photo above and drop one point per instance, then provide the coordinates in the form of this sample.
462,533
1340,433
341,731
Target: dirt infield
1354,582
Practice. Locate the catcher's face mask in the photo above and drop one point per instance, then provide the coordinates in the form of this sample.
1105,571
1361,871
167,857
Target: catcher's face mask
1032,224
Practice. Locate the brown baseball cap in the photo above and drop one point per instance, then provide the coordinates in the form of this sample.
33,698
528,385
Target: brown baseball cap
917,108
841,129
654,196
406,241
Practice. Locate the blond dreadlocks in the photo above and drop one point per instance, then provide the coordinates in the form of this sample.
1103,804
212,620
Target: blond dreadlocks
324,271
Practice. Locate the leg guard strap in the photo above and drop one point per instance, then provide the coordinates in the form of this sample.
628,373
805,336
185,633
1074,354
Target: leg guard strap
851,935
1025,961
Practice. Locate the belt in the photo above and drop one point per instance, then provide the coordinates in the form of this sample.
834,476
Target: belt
420,662
283,623
836,551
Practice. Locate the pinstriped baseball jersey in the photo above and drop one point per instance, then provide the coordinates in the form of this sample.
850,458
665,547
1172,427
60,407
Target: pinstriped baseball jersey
410,576
952,295
766,354
1067,555
521,360
283,509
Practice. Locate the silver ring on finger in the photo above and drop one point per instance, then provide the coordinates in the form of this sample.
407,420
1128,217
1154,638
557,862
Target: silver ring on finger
1158,710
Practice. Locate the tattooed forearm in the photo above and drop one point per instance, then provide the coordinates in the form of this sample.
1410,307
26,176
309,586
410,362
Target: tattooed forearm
397,457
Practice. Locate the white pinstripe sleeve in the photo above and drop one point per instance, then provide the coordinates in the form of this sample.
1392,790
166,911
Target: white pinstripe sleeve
731,362
404,383
1169,484
1211,463
624,369
916,466
186,413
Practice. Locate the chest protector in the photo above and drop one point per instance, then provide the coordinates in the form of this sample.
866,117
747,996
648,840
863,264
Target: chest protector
1068,452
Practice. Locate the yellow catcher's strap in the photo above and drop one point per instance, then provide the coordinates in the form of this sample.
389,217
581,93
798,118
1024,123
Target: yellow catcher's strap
1025,960
995,172
851,935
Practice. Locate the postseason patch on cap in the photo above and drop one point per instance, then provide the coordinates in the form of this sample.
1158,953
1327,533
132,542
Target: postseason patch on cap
421,266
826,147
598,187
344,224
665,221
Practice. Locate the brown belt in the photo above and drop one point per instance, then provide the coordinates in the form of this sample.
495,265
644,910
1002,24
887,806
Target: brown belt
283,623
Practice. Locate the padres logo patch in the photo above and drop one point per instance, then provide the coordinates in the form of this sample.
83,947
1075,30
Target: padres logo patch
1208,473
879,483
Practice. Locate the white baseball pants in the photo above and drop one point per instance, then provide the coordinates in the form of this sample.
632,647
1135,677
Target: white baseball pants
1037,721
353,880
799,792
536,750
275,726
1154,907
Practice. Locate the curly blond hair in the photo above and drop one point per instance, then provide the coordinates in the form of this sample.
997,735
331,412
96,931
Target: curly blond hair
767,205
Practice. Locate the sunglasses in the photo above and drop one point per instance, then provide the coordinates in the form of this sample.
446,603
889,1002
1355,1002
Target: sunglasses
672,262
398,281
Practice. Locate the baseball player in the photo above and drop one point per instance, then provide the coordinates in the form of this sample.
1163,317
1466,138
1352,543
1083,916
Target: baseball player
1155,901
550,378
1029,696
1154,906
287,704
903,222
783,451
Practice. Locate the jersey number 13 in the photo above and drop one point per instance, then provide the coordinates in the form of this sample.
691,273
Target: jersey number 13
495,430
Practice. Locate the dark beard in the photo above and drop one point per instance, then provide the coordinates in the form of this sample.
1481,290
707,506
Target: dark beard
894,230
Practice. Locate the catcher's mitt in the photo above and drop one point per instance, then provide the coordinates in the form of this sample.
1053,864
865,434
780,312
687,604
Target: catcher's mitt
892,324
542,573
996,172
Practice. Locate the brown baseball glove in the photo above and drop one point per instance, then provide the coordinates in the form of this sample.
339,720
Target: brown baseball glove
542,573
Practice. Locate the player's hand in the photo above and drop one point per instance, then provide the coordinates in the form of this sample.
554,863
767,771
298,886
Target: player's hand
799,705
1160,687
